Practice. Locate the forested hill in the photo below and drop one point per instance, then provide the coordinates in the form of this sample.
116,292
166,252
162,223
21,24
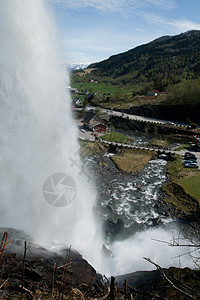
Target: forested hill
165,60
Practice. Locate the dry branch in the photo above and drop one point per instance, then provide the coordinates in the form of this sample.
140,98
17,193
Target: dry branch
186,293
3,283
23,270
4,244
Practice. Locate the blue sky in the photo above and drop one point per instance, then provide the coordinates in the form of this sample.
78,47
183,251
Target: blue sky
93,30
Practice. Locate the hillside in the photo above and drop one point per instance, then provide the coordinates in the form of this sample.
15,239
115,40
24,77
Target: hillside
168,59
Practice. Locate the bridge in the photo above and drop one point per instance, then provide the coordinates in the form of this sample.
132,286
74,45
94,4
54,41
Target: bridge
129,146
158,150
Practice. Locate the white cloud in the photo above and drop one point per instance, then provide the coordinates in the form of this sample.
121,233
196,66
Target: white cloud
163,4
117,5
184,25
175,26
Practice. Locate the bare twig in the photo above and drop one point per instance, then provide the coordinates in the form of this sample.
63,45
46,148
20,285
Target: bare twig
186,293
4,244
125,289
65,265
23,270
65,270
3,283
26,290
54,269
176,244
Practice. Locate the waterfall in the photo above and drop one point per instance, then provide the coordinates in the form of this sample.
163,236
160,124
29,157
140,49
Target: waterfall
43,190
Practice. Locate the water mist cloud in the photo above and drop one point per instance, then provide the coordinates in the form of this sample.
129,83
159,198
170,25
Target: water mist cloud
128,254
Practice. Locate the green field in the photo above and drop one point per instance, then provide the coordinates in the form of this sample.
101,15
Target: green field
117,137
102,88
192,186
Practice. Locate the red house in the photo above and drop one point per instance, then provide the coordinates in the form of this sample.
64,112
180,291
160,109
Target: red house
93,122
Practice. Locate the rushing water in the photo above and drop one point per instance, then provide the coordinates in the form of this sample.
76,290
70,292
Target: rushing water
134,219
130,199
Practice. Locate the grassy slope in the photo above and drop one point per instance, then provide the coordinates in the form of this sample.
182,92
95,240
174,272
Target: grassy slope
183,190
192,186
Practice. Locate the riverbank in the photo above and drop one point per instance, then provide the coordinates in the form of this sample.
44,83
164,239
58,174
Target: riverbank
183,190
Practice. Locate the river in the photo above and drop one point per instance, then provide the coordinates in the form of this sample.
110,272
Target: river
133,217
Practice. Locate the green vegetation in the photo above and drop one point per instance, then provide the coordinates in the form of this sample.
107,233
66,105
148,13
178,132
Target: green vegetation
117,137
183,147
133,160
182,190
102,88
192,186
185,93
164,64
157,64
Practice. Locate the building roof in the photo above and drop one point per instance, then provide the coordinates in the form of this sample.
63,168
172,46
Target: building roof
89,116
95,123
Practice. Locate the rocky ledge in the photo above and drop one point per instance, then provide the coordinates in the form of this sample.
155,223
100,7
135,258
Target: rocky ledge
28,271
38,272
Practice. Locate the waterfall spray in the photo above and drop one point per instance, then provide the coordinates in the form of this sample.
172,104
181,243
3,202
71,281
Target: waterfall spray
42,191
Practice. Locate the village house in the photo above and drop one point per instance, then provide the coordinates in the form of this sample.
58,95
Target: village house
94,123
78,103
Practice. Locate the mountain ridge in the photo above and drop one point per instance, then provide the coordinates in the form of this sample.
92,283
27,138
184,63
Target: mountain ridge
165,59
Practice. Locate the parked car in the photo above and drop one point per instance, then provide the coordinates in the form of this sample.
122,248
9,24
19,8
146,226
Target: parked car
190,161
190,157
191,165
189,154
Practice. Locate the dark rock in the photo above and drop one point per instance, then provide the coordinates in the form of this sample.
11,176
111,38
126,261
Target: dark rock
33,274
40,263
141,280
112,228
112,148
109,207
156,221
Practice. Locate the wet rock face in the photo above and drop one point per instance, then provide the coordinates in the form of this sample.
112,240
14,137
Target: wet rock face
113,229
141,280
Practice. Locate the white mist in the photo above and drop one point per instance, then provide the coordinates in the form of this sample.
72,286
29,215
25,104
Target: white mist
38,135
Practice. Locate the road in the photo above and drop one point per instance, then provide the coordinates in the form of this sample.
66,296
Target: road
87,136
139,118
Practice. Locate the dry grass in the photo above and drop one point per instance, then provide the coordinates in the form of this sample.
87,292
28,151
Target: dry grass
159,143
133,160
